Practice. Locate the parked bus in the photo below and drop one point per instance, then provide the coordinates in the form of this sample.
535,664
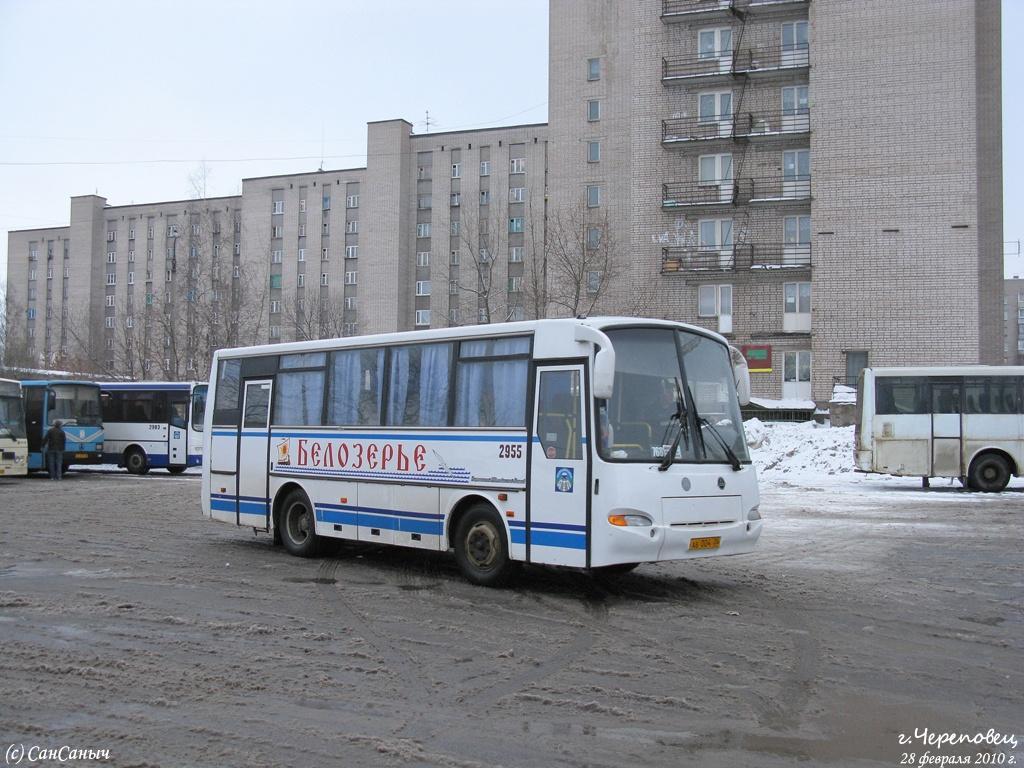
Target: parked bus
13,442
965,422
153,424
596,443
77,405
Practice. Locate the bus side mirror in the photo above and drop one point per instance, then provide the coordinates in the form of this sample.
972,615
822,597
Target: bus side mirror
604,360
742,375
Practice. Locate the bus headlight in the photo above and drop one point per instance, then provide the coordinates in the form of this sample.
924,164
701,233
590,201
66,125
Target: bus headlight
630,520
754,513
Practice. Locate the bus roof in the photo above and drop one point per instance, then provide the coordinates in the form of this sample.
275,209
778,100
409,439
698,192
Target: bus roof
460,332
951,370
10,387
54,382
174,386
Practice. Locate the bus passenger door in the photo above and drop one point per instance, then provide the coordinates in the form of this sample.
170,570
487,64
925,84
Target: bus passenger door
946,433
254,455
177,431
556,530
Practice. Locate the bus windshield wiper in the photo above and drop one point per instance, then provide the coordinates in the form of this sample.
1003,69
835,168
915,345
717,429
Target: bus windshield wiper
680,415
734,460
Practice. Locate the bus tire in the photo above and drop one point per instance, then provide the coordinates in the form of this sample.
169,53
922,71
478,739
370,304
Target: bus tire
296,523
613,570
135,461
989,473
481,547
176,470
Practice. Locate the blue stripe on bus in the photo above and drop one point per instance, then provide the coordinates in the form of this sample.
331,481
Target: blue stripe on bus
245,507
381,511
550,539
262,499
554,526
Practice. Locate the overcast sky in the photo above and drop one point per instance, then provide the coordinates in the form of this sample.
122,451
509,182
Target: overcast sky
127,99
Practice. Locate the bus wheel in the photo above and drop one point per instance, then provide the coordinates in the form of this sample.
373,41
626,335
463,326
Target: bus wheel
175,470
135,462
989,473
296,523
613,570
481,549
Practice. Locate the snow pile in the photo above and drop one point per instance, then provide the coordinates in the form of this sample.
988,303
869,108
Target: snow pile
843,394
799,448
783,405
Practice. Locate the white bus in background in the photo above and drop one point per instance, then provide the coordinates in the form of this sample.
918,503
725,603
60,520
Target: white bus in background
13,437
965,422
597,443
153,424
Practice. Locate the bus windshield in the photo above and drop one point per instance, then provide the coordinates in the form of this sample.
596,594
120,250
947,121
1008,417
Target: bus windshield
12,418
672,387
76,403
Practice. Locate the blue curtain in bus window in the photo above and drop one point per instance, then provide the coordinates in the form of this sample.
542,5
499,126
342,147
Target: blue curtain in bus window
299,399
356,383
418,386
491,394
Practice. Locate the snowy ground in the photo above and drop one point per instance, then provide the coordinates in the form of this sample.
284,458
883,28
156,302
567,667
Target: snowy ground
872,607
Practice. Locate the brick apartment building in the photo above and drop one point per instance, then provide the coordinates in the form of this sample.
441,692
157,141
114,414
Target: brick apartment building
820,180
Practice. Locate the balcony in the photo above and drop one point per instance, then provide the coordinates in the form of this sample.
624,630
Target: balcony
771,60
775,189
699,193
753,126
750,62
690,10
715,259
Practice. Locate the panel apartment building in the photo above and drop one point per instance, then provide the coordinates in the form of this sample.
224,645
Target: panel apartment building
820,180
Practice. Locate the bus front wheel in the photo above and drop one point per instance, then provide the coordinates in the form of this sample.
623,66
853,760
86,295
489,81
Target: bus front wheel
481,548
135,462
176,470
989,473
297,526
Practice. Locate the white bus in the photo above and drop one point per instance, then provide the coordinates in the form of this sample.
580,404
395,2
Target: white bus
965,422
13,437
153,424
604,442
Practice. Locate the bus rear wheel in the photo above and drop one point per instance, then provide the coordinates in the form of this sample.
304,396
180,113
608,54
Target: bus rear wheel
989,473
135,461
481,548
296,523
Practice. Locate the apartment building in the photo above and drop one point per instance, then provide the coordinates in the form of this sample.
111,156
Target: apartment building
818,180
1013,320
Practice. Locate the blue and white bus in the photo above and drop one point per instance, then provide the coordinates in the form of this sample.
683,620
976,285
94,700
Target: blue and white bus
153,425
77,405
597,443
13,440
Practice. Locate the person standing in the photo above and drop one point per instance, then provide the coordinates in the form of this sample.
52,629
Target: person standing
53,445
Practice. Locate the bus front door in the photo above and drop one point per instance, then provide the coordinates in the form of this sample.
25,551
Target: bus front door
177,433
946,429
556,528
253,455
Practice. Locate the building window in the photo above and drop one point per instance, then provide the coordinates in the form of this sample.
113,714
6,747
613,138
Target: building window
302,205
324,255
796,316
715,235
516,194
593,110
351,329
238,248
517,165
131,278
485,256
275,307
795,102
275,281
515,224
350,279
423,202
326,227
423,230
302,229
131,256
456,199
109,300
714,169
300,280
278,206
275,332
422,317
593,196
353,201
485,197
456,228
453,258
456,170
716,301
111,278
352,227
515,284
515,254
593,69
302,254
172,230
714,106
794,41
276,256
327,202
131,233
453,287
593,238
324,278
351,251
714,43
593,151
111,257
423,259
594,280
485,167
111,236
107,321
422,287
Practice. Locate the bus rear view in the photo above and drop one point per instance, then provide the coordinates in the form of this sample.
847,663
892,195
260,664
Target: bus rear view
76,404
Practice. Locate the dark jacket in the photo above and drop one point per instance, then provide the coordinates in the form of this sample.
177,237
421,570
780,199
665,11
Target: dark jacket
54,439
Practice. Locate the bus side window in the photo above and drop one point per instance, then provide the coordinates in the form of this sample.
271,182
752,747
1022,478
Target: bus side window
198,408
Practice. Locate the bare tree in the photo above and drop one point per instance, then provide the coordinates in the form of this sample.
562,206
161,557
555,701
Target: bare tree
483,241
15,350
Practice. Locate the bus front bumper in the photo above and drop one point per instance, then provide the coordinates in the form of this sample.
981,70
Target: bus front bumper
647,544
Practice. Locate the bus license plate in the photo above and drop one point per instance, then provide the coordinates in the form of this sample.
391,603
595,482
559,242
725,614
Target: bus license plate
706,542
81,455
